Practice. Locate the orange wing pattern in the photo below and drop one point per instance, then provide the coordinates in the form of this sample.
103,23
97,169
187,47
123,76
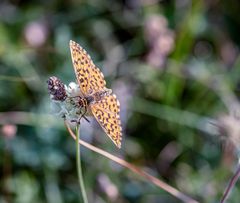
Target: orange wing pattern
89,77
91,80
106,112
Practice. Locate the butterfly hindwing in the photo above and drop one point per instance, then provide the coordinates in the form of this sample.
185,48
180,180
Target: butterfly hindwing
106,112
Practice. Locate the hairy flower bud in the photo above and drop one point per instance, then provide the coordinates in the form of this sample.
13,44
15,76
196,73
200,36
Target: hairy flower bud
56,89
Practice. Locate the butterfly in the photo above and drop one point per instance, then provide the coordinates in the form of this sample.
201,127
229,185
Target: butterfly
96,97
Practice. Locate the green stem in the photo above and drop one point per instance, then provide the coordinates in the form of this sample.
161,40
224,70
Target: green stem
79,167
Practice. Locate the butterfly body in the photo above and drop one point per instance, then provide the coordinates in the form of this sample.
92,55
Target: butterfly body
87,101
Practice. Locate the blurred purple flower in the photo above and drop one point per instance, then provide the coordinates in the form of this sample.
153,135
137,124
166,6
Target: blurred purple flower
36,33
159,38
108,187
9,131
155,25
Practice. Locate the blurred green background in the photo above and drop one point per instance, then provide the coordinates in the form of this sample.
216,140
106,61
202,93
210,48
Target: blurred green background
174,66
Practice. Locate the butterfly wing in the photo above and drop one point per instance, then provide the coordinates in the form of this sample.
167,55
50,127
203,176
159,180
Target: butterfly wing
106,111
90,78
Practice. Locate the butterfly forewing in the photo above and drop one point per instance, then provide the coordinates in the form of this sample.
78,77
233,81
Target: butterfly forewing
89,77
82,63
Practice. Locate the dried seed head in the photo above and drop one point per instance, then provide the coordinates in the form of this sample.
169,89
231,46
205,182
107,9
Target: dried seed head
56,89
65,100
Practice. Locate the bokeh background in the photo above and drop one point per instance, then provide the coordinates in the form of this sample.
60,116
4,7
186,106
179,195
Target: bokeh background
175,67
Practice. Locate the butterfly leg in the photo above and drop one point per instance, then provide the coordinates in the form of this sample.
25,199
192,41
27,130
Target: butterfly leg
86,118
83,115
77,121
73,121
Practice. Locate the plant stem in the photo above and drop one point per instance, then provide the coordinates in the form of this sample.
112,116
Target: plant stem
231,184
79,167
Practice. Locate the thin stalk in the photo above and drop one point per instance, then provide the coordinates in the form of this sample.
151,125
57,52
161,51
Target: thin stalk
231,184
79,166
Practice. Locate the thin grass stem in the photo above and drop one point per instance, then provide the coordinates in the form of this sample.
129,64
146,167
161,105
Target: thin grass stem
79,166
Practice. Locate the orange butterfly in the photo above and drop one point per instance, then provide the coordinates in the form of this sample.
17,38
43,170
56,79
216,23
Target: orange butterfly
96,97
